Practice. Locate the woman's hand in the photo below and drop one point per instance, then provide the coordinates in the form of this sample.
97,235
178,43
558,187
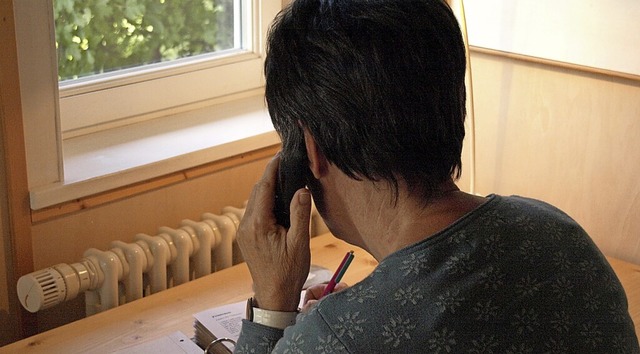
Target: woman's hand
278,259
314,293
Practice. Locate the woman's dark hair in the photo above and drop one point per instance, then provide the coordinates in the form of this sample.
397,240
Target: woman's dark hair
379,84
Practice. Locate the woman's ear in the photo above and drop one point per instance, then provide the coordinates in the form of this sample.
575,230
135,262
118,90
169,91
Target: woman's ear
317,162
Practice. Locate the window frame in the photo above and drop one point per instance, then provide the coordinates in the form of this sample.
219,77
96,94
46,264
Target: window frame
45,132
174,83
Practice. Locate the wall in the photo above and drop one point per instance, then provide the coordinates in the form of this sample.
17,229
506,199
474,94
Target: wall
590,33
564,136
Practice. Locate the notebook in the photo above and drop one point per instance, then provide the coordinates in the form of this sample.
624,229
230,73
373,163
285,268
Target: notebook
225,321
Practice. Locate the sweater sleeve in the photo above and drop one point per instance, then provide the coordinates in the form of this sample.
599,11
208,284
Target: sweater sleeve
257,338
310,334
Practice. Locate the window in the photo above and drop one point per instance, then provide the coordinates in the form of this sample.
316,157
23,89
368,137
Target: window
56,111
169,83
100,37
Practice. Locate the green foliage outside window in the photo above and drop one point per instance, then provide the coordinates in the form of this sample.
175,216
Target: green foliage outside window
96,36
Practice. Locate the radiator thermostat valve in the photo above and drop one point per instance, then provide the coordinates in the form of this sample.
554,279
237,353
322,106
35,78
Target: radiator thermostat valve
48,287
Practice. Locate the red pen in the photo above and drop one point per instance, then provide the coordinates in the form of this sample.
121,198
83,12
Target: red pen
337,276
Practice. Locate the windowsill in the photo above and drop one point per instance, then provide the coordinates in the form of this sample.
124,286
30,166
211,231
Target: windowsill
122,156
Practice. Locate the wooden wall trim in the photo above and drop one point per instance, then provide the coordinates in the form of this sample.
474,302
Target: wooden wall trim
56,211
555,63
15,167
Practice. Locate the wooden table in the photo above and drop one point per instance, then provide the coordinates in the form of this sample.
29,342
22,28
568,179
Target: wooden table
173,309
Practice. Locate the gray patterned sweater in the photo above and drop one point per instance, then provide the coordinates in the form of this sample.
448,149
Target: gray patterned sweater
516,275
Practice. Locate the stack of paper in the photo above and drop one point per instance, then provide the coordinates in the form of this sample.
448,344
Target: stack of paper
225,321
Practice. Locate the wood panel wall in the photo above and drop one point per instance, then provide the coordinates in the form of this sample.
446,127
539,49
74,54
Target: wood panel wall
565,136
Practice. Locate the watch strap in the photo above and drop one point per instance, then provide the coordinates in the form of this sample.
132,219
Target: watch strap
275,319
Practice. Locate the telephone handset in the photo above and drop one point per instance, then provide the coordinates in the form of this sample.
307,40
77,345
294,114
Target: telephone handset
292,175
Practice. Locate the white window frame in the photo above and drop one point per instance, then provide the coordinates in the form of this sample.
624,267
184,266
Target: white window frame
187,89
87,105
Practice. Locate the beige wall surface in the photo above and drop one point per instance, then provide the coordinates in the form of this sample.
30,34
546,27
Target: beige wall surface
566,137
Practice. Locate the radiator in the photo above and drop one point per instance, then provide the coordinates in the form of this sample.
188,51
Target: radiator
130,271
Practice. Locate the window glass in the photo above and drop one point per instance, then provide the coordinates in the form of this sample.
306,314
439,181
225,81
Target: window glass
103,36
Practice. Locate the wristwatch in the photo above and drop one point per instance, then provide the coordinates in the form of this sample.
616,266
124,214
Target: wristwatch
275,319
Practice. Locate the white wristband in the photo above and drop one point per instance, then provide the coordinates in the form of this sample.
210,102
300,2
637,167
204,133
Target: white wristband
275,319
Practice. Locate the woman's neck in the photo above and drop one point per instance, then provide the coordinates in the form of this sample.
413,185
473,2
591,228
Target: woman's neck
387,228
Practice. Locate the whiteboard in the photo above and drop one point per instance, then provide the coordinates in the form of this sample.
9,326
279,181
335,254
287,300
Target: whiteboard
602,34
